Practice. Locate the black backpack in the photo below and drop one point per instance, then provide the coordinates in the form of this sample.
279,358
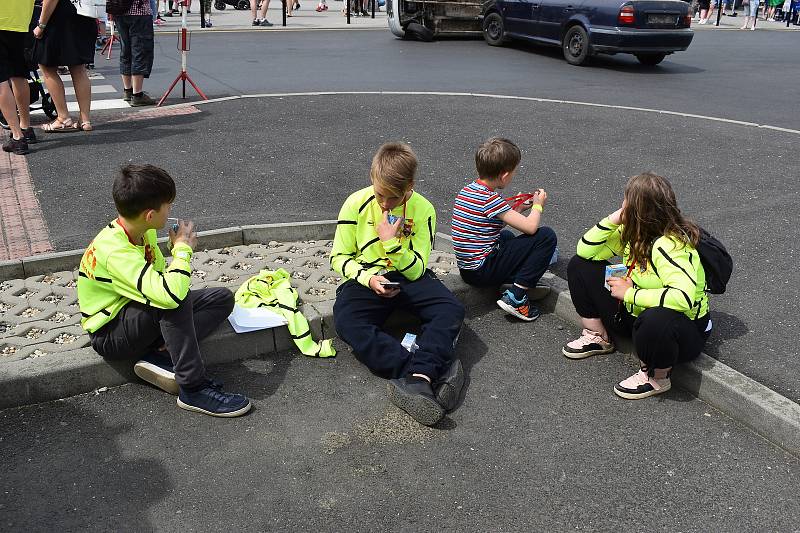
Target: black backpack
717,262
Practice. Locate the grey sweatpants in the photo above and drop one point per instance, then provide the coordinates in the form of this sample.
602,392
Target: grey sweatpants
139,329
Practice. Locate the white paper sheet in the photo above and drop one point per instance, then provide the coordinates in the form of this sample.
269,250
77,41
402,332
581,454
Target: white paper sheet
244,319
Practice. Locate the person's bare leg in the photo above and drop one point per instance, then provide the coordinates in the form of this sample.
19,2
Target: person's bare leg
127,84
83,91
56,89
137,82
264,8
596,325
22,95
9,109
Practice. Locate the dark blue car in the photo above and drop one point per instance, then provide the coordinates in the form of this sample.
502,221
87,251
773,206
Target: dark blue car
648,29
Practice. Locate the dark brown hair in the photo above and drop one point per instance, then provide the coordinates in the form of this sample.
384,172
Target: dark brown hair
651,211
496,156
138,188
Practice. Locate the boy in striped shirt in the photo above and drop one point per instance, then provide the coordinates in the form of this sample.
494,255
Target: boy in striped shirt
486,253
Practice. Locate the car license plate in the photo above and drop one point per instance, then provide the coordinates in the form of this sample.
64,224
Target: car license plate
661,20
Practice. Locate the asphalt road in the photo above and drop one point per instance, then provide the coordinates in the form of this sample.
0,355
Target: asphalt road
297,158
749,76
539,443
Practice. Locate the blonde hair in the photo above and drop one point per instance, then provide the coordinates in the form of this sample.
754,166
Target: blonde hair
393,168
496,156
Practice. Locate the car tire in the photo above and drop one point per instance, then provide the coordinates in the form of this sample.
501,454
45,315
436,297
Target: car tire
650,60
417,31
494,31
575,45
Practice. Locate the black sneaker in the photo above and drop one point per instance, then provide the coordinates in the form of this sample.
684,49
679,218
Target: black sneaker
415,397
265,23
157,369
212,400
30,136
18,146
142,99
127,94
256,22
449,385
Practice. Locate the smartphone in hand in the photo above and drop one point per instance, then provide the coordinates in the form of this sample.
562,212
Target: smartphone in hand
390,284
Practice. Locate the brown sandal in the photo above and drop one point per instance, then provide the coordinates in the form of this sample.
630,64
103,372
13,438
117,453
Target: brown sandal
83,126
58,126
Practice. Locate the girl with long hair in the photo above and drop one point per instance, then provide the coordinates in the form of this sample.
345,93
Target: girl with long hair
659,300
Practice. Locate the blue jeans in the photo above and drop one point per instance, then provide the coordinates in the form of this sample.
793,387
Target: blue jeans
154,8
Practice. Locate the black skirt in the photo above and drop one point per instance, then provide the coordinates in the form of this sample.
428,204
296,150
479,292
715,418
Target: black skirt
68,39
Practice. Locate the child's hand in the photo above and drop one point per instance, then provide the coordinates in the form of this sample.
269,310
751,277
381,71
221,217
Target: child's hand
386,230
619,286
616,216
539,197
380,290
185,234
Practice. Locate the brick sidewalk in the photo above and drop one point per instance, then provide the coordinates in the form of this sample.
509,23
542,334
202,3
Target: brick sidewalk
23,231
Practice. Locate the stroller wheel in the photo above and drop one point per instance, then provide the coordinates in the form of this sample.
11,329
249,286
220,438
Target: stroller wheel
220,5
243,4
49,107
3,122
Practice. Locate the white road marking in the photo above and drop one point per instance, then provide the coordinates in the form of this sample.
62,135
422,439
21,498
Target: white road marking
96,89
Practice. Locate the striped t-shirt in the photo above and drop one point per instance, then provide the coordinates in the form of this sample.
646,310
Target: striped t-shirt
476,226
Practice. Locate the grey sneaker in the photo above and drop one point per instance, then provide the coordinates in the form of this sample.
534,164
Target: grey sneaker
448,388
415,397
265,23
142,99
127,94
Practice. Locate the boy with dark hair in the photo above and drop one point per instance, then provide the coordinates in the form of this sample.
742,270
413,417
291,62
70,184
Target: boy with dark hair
488,255
383,239
134,306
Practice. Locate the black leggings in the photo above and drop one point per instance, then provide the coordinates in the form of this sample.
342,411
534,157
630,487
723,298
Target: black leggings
661,337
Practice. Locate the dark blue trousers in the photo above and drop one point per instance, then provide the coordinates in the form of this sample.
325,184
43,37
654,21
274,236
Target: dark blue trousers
359,315
521,259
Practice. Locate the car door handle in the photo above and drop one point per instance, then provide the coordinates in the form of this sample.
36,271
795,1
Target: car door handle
569,8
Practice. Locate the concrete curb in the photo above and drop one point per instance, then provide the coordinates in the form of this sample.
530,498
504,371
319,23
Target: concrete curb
66,374
763,410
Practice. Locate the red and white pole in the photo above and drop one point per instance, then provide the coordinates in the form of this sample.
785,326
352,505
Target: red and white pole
184,45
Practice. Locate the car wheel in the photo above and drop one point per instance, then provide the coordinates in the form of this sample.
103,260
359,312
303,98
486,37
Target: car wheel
575,45
220,6
650,59
414,30
494,30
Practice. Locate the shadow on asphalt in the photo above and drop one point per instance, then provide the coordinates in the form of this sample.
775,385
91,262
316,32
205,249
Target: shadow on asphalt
727,327
255,378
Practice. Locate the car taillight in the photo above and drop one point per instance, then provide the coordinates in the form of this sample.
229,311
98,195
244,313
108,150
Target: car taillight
626,15
687,20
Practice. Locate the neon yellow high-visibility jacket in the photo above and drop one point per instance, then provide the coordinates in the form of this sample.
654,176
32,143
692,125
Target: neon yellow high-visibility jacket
674,278
359,254
114,271
273,290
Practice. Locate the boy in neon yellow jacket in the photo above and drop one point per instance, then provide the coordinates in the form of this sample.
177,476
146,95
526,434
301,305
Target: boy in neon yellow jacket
384,237
134,306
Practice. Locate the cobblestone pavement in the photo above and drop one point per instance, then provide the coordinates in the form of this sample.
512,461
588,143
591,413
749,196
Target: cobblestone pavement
39,315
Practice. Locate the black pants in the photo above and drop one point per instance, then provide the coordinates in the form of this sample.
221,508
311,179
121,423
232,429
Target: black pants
136,38
139,329
359,315
521,260
662,337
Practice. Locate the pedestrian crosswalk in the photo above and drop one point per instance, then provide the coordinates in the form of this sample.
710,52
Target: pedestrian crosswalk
106,91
